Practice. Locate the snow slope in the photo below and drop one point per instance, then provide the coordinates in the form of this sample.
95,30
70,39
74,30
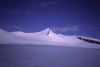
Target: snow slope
46,36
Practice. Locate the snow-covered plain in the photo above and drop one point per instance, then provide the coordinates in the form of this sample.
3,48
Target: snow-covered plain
47,36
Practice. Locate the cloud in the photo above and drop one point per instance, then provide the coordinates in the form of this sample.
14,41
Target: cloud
29,7
44,4
23,11
13,27
67,28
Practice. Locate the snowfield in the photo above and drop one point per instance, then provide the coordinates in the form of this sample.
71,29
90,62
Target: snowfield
47,36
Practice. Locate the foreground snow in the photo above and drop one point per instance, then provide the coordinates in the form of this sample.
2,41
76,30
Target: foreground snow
46,36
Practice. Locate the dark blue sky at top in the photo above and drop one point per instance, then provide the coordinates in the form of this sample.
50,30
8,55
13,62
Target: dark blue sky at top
37,15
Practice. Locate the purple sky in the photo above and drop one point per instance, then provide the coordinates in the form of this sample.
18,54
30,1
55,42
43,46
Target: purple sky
69,17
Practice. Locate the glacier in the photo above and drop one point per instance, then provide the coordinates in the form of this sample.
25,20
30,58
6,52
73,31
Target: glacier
47,37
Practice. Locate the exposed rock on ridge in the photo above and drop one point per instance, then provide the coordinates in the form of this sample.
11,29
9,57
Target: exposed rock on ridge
52,31
89,40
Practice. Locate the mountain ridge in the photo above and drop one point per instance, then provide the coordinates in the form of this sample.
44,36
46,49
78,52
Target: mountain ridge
47,36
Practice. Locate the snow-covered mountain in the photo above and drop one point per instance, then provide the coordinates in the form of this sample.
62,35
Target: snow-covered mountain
47,37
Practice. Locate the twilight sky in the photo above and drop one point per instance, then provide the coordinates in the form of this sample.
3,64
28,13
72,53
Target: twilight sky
69,17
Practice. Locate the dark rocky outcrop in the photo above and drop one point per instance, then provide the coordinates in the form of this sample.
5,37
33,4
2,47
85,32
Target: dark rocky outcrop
52,31
89,40
55,32
48,32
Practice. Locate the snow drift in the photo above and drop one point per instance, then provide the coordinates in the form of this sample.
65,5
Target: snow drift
48,37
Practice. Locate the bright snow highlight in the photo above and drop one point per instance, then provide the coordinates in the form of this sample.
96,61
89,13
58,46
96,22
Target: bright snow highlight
47,37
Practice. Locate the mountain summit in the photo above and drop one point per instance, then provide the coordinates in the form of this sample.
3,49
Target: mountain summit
47,31
50,30
47,36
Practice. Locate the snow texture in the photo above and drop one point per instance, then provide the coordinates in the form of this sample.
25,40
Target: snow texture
47,36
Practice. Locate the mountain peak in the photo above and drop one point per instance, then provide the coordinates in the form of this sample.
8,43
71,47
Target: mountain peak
50,30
